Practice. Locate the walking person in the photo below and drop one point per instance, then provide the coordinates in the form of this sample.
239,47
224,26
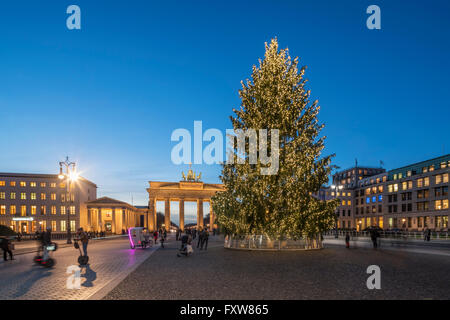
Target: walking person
374,237
205,239
155,236
162,239
6,246
428,235
200,238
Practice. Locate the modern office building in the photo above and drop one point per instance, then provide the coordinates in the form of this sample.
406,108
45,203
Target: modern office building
414,197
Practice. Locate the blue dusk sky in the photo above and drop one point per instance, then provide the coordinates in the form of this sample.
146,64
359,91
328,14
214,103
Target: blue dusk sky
110,95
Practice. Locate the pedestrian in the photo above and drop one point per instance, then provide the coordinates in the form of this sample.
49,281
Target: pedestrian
194,234
6,246
347,240
214,232
374,236
161,240
155,236
205,238
428,234
165,234
83,237
200,238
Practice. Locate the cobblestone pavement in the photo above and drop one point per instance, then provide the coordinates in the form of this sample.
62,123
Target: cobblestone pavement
110,260
332,273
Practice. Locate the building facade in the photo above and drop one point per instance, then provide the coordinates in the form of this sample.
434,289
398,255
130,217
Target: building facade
414,197
113,216
32,202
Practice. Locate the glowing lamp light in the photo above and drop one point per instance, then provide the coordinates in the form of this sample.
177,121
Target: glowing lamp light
73,176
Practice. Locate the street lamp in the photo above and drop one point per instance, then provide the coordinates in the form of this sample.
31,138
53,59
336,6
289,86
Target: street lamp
71,176
336,188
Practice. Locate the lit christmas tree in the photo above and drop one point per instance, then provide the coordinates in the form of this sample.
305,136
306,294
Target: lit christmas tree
279,205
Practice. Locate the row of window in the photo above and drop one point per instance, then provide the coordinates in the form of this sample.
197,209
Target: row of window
34,209
33,196
32,184
409,173
421,182
42,225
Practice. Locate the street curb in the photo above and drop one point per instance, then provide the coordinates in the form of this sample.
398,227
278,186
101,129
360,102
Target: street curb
102,292
65,245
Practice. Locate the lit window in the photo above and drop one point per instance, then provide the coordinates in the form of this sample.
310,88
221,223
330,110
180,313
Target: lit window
43,184
63,210
438,204
23,184
419,183
445,204
445,178
343,203
23,210
426,181
2,195
53,209
33,209
63,226
43,210
404,185
53,196
12,210
438,179
43,196
2,183
33,184
23,196
72,225
13,195
62,185
2,209
12,183
53,225
349,203
53,185
33,196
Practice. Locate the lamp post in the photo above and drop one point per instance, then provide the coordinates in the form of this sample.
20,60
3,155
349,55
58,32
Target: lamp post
70,175
336,188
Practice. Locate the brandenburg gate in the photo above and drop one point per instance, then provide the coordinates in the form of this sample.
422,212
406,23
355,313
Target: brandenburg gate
188,189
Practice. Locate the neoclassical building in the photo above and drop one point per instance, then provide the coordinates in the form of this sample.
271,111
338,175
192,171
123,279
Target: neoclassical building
189,189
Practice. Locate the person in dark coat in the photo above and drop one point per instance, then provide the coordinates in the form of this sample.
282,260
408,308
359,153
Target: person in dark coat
205,237
200,238
5,244
374,237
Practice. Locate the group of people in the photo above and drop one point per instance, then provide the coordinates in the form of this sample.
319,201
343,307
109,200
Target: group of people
161,234
202,235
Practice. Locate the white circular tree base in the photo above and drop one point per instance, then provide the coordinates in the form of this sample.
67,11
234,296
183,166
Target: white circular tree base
261,242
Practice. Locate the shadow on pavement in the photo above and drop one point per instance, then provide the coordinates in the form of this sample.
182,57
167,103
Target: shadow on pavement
90,276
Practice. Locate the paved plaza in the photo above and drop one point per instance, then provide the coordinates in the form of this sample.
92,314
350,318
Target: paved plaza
332,273
110,261
118,272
